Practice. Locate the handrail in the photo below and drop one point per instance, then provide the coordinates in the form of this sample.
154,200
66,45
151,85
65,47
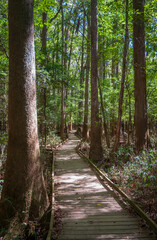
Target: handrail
148,220
49,236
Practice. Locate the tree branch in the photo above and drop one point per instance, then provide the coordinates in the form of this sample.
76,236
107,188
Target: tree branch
61,1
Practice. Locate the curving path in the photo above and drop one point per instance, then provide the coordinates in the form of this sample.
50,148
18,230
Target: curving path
91,210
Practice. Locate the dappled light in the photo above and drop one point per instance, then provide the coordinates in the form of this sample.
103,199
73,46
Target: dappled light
90,210
78,120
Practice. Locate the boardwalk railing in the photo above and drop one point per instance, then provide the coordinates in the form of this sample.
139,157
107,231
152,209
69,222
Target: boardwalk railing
138,210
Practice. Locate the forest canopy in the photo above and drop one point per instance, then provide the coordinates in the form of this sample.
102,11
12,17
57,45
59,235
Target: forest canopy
111,33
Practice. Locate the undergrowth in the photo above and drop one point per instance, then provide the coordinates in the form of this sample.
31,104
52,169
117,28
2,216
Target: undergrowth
136,175
52,140
35,229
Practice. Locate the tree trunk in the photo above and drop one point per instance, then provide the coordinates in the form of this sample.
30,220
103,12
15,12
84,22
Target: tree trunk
82,75
24,190
85,132
44,32
100,83
114,76
126,45
139,75
43,126
63,88
63,92
103,114
129,123
62,128
96,152
71,44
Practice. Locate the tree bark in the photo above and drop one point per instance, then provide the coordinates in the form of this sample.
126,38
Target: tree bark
114,76
129,122
71,43
80,107
96,152
139,75
44,32
63,92
43,126
103,114
126,45
100,84
24,192
85,132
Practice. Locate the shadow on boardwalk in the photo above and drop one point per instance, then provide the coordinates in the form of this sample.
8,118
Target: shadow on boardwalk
90,209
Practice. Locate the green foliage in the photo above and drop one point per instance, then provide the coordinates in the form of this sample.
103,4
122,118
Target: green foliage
3,138
124,153
54,140
111,21
134,172
140,171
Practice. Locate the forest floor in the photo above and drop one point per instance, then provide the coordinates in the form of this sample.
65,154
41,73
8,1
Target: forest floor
135,175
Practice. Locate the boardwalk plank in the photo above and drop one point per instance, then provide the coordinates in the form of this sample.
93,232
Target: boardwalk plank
106,237
91,210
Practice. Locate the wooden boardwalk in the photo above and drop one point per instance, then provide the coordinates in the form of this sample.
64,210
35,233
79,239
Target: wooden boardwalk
91,211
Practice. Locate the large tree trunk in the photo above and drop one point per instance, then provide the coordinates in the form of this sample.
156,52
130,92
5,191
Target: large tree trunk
96,152
139,75
24,190
126,45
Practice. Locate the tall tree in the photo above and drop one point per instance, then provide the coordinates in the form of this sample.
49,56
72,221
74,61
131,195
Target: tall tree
44,32
126,46
96,152
104,118
82,71
24,192
100,83
63,91
114,75
85,132
43,89
139,74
